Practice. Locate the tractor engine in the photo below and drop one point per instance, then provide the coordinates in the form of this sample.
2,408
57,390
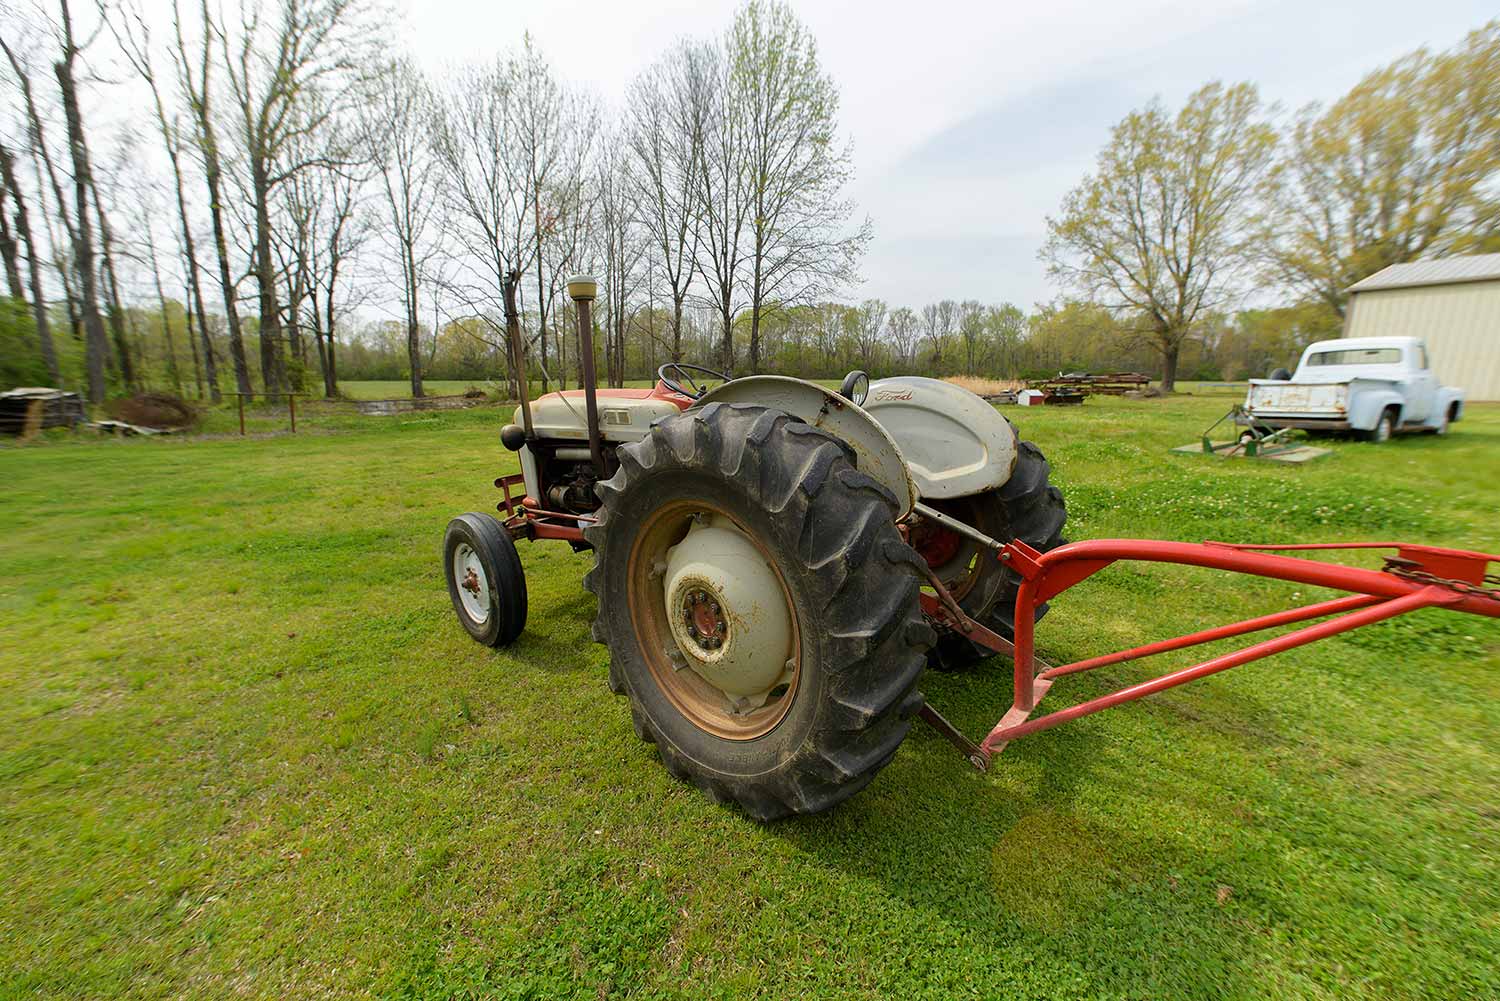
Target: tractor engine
560,473
570,485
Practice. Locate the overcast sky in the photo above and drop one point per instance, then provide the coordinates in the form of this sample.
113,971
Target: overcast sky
971,120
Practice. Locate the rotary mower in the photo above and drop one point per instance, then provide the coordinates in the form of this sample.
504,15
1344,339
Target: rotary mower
777,563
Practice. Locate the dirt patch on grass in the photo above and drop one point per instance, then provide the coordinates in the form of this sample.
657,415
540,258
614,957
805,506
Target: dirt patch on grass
155,410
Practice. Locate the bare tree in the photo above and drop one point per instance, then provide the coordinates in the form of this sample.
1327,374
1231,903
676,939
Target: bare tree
1005,328
400,116
111,283
299,205
340,233
623,244
970,323
665,131
937,326
571,245
96,344
285,75
723,203
9,249
47,179
489,238
134,38
197,86
551,133
794,170
144,227
34,266
869,322
904,330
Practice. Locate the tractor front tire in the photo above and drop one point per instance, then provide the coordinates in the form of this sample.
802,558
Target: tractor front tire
760,607
1026,508
485,579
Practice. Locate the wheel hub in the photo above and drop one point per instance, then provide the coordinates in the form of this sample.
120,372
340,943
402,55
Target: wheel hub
705,620
473,585
727,613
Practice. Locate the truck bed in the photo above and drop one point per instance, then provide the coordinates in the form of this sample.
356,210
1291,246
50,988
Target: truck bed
1328,401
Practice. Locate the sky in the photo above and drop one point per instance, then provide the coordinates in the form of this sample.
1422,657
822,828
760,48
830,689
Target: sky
971,121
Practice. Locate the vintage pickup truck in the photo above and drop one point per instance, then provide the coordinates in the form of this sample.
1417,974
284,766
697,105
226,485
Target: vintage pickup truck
1378,386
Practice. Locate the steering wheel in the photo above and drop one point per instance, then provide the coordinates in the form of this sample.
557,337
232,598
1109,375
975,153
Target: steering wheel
685,371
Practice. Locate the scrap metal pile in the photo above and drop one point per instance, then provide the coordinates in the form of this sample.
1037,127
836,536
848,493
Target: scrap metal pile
1087,384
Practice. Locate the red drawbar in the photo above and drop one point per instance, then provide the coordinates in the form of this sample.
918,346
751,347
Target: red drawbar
1417,577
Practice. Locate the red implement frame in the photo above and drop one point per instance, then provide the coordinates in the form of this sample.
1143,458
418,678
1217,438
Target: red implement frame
1416,577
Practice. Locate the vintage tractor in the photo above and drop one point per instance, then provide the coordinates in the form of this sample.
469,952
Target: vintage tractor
776,563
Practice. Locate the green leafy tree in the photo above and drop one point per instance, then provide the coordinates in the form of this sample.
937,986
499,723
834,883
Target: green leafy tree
1005,329
20,357
1156,233
1072,335
1401,167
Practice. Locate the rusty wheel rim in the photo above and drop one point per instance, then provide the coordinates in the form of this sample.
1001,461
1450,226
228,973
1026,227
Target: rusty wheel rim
960,572
692,695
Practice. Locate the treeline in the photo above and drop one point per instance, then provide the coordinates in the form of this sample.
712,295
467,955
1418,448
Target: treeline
1188,213
826,340
213,200
220,200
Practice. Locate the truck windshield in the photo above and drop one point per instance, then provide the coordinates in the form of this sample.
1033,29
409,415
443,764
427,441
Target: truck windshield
1357,356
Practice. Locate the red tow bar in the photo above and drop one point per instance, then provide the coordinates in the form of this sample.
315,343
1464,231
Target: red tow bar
1415,577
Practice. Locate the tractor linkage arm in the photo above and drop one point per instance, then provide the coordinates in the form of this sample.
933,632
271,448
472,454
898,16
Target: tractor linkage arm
1416,577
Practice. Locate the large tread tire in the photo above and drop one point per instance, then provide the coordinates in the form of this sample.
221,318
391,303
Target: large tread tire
831,533
1029,508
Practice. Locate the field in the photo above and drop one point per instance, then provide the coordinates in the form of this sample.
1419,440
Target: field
247,751
376,389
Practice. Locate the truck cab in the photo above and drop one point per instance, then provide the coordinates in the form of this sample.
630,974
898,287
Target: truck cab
1378,386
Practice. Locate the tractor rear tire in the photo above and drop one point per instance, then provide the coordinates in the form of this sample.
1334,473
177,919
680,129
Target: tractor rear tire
1027,508
823,531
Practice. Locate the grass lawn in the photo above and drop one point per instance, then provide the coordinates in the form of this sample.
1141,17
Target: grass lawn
245,749
390,389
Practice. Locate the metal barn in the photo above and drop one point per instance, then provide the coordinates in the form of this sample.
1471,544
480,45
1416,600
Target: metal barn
1453,303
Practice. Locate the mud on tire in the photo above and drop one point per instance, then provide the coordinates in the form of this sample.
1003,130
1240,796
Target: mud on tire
828,531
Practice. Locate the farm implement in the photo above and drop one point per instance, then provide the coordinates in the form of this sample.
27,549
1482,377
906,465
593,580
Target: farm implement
776,563
1253,440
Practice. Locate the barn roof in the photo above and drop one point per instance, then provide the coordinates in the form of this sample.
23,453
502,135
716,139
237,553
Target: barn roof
1443,271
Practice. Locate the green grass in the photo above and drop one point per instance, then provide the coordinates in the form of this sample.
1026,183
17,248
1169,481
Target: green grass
247,751
390,389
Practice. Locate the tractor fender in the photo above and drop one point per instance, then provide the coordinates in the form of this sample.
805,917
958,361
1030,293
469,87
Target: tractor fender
877,454
955,444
